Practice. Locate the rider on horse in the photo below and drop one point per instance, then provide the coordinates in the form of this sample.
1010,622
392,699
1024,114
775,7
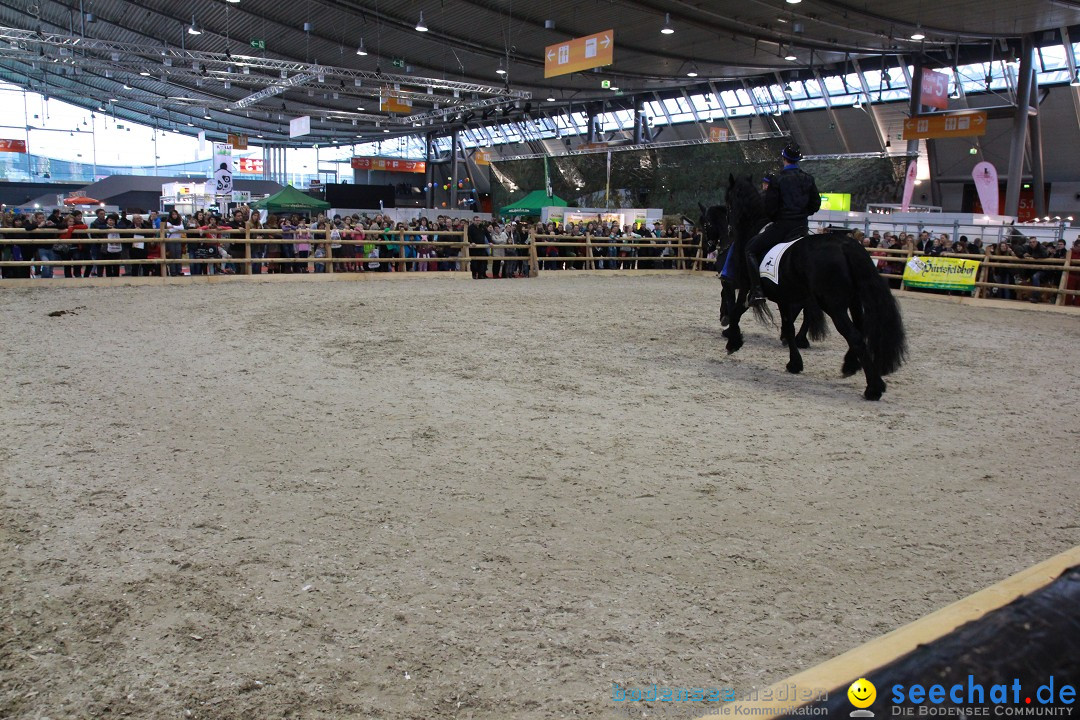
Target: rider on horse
790,199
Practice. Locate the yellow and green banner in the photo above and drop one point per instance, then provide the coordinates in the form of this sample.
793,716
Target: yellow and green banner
940,273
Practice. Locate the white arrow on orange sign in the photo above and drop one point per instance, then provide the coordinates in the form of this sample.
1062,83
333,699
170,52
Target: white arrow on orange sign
605,41
551,55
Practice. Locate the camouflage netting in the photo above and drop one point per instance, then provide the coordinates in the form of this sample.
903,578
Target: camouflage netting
676,179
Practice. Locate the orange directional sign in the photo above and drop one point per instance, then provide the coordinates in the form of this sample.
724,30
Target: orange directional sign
579,54
945,125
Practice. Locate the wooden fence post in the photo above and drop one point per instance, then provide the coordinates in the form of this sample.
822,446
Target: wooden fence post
463,256
329,249
534,265
984,273
589,263
907,258
161,244
247,250
1063,284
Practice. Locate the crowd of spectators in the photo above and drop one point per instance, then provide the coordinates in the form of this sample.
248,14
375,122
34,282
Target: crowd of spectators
206,243
1025,248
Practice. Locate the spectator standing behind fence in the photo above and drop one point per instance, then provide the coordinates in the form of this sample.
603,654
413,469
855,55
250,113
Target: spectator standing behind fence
114,249
499,240
65,249
1003,252
138,246
478,241
1034,250
174,245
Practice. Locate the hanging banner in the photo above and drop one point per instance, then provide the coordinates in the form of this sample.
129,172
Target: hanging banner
579,54
986,184
940,273
909,184
299,126
968,123
718,134
935,89
223,169
390,102
15,146
249,166
389,164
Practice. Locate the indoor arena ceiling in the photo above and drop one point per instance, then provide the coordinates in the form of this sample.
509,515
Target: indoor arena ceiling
140,61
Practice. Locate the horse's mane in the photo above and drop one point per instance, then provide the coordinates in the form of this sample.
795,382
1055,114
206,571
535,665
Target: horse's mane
746,208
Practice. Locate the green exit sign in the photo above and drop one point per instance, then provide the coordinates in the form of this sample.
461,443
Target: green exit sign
605,84
258,44
399,62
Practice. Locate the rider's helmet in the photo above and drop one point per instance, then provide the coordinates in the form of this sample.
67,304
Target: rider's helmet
791,152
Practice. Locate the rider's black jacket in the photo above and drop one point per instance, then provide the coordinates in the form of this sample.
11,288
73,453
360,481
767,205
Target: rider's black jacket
793,195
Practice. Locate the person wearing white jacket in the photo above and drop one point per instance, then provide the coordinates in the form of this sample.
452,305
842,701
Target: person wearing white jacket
499,238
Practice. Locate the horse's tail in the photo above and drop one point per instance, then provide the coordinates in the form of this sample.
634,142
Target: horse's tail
814,318
883,328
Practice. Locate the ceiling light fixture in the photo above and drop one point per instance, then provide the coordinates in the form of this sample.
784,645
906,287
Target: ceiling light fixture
420,26
793,2
918,34
551,99
790,56
501,70
692,71
360,50
667,29
193,29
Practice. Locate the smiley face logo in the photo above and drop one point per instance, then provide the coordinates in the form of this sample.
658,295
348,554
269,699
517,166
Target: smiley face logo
862,693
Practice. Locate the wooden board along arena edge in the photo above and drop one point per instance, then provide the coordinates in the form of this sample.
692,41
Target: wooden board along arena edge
842,670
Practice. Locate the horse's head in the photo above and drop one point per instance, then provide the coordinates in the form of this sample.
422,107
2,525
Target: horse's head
714,225
744,205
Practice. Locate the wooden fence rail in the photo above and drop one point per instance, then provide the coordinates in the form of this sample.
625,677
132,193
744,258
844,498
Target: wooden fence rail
250,247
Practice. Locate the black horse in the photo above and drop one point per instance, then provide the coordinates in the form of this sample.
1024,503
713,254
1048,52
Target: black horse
833,272
717,235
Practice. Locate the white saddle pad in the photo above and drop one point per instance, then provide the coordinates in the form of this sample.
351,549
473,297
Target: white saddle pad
770,264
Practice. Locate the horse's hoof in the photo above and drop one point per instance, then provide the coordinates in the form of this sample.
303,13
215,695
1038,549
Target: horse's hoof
733,346
875,390
850,369
802,343
795,367
726,333
724,321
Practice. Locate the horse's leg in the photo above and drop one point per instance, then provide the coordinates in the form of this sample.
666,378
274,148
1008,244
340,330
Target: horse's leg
727,302
800,339
733,332
875,386
852,363
787,331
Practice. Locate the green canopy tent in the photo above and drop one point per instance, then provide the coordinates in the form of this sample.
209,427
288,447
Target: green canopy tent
531,204
290,200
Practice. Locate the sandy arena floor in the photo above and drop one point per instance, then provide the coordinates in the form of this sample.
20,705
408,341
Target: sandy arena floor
449,499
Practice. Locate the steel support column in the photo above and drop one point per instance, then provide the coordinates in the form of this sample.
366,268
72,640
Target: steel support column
1019,129
1038,176
453,169
429,171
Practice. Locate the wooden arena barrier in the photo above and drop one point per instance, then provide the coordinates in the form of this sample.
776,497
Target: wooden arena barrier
884,656
241,245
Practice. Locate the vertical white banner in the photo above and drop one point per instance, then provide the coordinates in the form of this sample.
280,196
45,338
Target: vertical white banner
986,184
300,126
909,184
223,169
